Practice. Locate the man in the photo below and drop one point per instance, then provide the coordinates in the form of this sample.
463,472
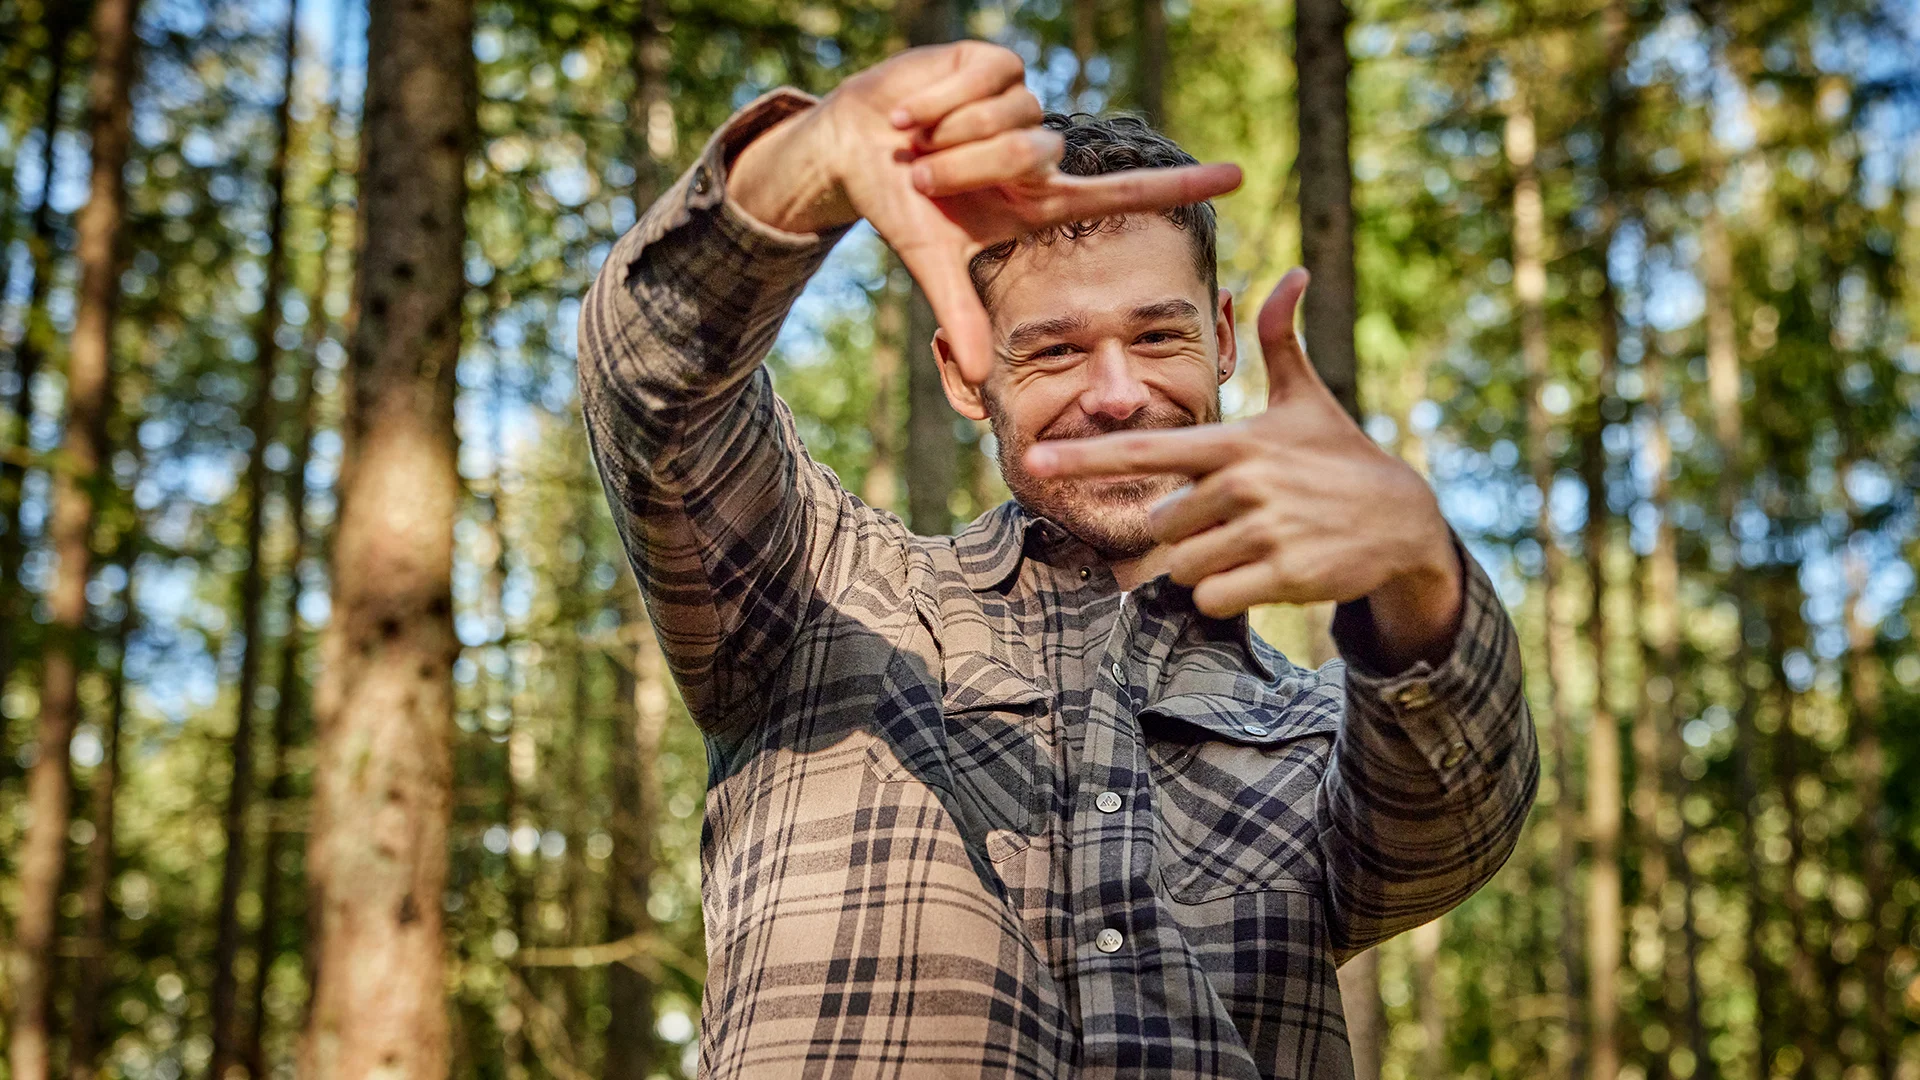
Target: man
1033,800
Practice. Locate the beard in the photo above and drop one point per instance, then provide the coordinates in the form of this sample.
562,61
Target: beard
1108,514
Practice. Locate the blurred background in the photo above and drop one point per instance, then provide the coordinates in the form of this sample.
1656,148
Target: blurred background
1634,281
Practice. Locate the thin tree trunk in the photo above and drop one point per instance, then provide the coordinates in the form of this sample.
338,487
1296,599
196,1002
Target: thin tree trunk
933,450
70,528
1723,386
1603,731
1864,686
631,1048
1325,166
1150,16
225,996
96,909
27,358
1426,996
1086,26
384,707
1530,288
881,487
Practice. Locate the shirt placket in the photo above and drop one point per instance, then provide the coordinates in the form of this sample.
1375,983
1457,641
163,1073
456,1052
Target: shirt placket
1119,943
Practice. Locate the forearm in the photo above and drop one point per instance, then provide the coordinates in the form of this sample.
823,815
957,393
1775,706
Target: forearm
1434,772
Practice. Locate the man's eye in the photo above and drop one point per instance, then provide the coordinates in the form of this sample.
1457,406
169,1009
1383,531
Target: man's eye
1062,349
1157,337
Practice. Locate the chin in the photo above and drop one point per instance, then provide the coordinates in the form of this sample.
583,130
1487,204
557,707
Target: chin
1110,516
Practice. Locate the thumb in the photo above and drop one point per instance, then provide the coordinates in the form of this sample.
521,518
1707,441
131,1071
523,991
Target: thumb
1288,371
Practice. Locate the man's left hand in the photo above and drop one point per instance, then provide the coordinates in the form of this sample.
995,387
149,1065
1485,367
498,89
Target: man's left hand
1296,505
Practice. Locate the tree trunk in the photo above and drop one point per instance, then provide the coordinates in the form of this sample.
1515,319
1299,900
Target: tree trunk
1530,289
1603,731
881,487
933,451
1366,1013
1150,16
26,366
384,708
1086,32
224,997
70,531
631,1046
96,908
1325,166
1426,996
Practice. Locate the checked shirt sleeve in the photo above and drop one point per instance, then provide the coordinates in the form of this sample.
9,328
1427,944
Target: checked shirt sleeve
1433,774
734,532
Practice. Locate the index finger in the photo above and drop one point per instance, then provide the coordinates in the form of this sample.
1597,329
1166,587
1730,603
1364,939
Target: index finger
1190,451
1081,198
981,71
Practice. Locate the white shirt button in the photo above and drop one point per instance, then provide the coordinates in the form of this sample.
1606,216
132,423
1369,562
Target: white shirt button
1258,731
1455,755
1118,675
1107,801
1109,940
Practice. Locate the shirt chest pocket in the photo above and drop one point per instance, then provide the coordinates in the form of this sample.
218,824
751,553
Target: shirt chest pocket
980,749
1236,784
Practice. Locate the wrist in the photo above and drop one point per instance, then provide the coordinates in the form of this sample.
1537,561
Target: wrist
786,177
1416,613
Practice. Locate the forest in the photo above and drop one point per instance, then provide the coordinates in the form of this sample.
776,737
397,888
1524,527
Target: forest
1635,283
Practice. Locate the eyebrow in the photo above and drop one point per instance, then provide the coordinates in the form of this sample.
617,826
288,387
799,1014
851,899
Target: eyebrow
1028,334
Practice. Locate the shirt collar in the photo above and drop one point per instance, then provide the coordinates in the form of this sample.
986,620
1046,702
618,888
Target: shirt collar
990,551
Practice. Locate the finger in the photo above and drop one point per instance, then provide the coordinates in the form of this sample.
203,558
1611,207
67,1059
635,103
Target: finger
1079,198
981,71
1192,451
1288,370
1224,595
1218,498
1216,551
1014,108
1004,158
956,307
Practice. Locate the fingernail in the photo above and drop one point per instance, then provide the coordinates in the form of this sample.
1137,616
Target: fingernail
901,118
922,179
1041,458
1169,499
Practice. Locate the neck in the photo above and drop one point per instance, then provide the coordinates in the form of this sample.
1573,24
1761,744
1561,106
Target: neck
1132,572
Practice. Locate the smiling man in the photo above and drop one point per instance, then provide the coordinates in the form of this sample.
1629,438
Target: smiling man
1034,800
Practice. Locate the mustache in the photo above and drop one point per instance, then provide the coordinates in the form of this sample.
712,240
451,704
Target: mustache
1081,426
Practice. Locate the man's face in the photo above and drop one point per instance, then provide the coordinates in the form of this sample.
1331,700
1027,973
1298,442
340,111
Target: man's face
1108,332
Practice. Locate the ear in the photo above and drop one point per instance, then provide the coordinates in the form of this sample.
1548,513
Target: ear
965,397
1229,341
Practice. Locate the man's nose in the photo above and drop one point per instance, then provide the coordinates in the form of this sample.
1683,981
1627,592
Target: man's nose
1114,389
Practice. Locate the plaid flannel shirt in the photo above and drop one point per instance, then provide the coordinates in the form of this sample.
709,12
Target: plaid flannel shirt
973,810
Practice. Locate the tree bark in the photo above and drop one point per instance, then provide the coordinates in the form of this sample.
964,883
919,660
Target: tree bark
1426,996
1325,164
27,358
1086,31
70,531
1366,1014
881,487
1603,731
225,996
96,908
933,451
384,706
1530,289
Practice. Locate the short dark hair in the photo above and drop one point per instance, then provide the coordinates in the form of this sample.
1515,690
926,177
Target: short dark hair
1096,145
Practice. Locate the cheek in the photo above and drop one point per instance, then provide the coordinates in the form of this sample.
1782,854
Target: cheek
1191,381
1037,401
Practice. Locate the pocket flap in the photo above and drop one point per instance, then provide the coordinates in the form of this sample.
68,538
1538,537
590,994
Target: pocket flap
978,681
1265,717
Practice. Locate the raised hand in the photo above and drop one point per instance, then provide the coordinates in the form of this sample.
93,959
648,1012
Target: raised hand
1296,505
940,148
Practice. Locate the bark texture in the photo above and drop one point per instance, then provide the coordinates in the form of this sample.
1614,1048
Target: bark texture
932,462
383,708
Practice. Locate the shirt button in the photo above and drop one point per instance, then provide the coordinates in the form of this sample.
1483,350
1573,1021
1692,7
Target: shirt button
1085,573
1109,940
1258,731
1455,755
1118,675
1108,802
1416,696
701,182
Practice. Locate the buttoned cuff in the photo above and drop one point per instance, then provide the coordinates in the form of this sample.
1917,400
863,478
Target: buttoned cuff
1459,715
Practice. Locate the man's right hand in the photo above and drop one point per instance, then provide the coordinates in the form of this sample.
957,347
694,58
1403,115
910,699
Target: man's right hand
941,149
